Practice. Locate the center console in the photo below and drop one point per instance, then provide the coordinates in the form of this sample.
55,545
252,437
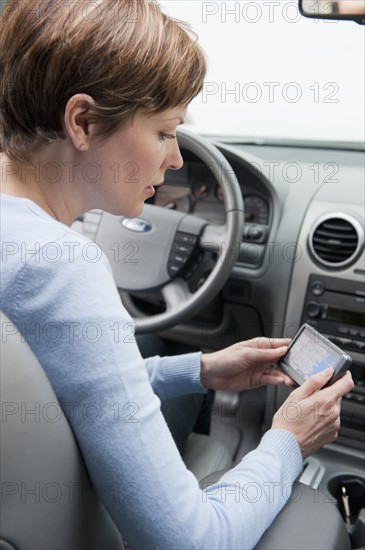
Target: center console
336,308
331,298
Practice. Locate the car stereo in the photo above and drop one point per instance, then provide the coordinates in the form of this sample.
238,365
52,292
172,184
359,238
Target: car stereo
336,308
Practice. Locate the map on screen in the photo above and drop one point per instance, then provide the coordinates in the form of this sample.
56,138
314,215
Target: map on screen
308,357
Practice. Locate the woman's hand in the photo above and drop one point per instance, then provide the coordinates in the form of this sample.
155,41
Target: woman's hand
245,365
312,414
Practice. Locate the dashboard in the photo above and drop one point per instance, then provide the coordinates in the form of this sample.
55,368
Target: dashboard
194,190
301,258
304,230
304,213
198,193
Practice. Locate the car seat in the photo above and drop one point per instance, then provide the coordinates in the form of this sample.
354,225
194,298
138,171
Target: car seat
48,501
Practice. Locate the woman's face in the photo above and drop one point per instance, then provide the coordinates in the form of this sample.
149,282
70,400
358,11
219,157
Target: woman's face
134,160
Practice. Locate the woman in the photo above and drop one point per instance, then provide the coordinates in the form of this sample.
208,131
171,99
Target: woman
86,87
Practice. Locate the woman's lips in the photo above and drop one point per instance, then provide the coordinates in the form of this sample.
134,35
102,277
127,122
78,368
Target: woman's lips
151,188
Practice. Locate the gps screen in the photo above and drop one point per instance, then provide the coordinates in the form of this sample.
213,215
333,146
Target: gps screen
308,355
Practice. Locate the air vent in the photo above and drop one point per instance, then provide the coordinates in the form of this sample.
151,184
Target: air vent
336,240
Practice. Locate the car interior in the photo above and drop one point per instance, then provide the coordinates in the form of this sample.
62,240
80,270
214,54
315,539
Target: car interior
249,238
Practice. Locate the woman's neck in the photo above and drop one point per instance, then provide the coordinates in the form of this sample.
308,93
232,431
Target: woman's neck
45,183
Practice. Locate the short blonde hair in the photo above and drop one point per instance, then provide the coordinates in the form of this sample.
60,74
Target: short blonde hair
126,54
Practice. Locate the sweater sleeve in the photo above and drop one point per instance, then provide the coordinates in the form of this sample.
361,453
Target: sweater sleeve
175,375
71,316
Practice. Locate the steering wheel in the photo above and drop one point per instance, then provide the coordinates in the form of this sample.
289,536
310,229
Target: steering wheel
161,248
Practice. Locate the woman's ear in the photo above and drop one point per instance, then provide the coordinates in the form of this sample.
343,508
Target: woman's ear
77,120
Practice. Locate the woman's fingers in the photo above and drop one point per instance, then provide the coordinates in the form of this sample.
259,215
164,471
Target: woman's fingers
262,342
274,376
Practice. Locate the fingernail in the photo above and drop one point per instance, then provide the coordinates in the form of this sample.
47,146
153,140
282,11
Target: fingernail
327,372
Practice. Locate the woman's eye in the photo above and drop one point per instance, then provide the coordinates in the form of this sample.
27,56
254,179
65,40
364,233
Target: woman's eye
164,136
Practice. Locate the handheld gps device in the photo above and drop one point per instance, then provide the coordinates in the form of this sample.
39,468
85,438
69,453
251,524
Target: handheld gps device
310,353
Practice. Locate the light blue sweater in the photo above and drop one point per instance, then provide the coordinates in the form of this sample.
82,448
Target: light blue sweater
58,289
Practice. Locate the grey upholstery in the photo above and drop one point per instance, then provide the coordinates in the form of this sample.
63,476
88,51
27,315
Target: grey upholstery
308,522
48,502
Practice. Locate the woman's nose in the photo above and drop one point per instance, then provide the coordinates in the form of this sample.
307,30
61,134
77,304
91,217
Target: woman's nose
174,159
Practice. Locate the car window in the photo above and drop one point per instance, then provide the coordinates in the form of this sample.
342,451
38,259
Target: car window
275,74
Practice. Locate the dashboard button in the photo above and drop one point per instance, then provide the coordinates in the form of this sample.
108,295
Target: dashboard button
185,238
317,288
334,339
313,309
178,259
173,269
345,342
182,248
358,345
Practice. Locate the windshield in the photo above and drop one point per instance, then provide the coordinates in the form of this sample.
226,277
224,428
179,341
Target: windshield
274,74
